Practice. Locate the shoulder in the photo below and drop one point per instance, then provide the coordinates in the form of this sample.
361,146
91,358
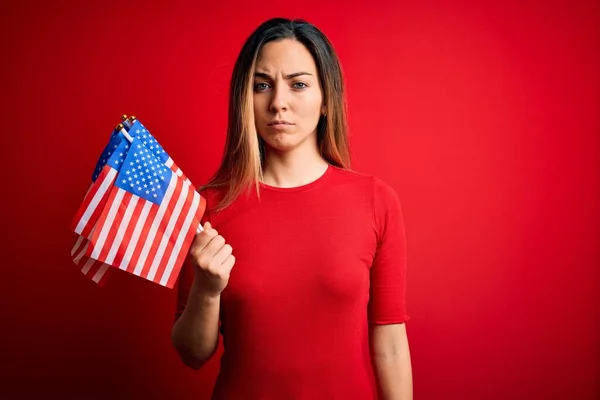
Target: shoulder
380,190
383,200
213,196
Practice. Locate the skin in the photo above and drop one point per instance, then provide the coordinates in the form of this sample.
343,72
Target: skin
286,88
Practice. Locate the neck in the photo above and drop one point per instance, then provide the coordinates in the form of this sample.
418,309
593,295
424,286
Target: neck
294,168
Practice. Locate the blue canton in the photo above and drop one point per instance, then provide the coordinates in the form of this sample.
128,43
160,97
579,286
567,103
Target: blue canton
143,173
109,150
117,159
138,130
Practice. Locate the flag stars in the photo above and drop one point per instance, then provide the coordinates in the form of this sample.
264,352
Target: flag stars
144,173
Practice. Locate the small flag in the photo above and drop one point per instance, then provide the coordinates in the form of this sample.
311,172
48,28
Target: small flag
103,177
140,214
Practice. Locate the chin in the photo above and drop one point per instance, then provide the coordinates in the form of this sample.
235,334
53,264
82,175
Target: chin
281,142
281,146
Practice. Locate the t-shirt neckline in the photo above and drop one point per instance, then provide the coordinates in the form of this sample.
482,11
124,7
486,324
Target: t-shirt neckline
300,188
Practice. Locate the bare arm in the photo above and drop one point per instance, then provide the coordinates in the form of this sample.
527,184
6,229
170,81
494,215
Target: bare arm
195,334
390,356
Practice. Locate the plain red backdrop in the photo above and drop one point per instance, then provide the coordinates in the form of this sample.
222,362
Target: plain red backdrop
483,116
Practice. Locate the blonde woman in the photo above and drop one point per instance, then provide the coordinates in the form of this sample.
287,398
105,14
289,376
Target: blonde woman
301,267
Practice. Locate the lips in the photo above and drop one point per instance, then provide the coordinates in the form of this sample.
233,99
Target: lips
279,122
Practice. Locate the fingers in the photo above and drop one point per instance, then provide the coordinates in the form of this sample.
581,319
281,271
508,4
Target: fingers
223,253
228,263
203,238
215,244
210,249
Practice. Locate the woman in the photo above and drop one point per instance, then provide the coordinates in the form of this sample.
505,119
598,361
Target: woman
301,265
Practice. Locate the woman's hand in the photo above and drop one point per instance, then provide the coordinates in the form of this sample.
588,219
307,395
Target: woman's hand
213,261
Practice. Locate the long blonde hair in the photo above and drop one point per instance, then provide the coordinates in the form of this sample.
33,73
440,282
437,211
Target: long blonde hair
243,156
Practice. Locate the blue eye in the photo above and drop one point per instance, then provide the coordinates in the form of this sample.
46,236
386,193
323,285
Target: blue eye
259,87
295,85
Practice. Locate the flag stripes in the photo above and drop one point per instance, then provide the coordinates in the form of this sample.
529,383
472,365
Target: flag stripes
94,201
149,237
136,216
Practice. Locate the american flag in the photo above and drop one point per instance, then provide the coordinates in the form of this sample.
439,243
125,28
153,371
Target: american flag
89,211
140,213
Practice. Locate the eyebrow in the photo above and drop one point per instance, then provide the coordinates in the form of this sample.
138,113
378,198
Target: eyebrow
290,76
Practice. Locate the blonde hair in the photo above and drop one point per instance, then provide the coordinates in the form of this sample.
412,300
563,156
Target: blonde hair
243,156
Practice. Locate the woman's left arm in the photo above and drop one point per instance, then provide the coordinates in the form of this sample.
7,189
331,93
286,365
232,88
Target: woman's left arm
390,356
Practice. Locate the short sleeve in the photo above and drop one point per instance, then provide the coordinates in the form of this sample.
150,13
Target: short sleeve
387,302
186,275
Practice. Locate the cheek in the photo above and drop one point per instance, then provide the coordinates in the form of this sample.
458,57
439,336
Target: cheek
256,105
311,107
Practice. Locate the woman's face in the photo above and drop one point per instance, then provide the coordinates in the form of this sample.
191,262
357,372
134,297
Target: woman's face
288,100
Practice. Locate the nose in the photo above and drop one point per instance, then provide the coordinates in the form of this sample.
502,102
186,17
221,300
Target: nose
279,99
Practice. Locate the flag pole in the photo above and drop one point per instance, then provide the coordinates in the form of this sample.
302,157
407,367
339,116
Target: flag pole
131,120
121,129
128,121
125,121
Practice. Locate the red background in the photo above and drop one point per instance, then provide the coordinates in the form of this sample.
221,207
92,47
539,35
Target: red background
483,117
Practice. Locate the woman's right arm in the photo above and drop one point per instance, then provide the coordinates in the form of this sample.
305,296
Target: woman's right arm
195,334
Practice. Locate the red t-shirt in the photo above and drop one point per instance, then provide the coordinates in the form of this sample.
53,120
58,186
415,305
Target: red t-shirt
314,265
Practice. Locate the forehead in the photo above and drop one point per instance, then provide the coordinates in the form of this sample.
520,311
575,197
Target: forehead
285,55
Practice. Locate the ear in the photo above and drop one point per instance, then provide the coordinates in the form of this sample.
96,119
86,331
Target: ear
324,110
